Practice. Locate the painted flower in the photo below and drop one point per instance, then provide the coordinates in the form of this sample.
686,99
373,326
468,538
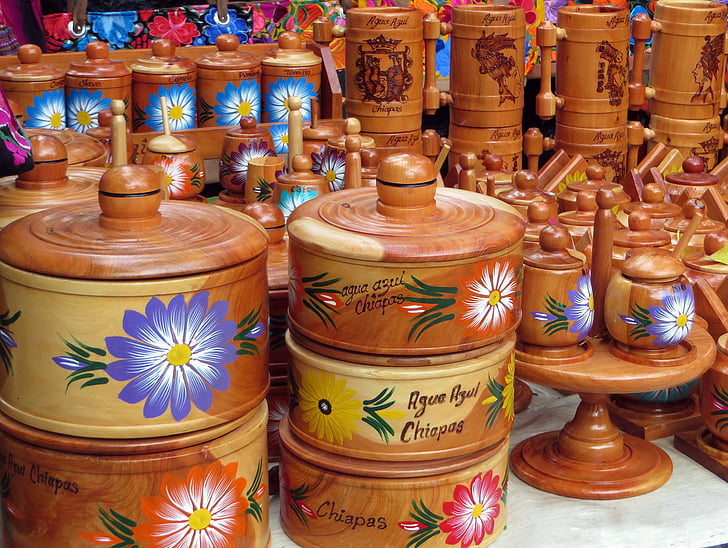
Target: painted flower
509,390
180,104
239,159
276,411
48,111
206,510
276,100
328,407
113,28
83,107
581,312
178,174
237,101
330,163
175,27
673,320
280,138
175,355
491,298
295,283
291,200
473,511
234,25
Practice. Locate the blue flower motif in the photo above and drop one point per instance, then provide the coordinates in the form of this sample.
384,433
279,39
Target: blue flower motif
113,28
234,102
235,26
174,356
673,320
442,58
181,103
581,312
280,138
276,100
48,111
291,200
83,107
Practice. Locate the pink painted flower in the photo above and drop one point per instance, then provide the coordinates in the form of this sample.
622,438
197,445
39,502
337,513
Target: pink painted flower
175,27
473,511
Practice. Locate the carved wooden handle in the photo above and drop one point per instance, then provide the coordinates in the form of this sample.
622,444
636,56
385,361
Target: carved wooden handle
430,93
546,37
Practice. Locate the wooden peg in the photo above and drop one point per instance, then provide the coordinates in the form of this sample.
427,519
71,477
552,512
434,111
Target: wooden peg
119,149
640,34
635,139
430,93
546,38
687,235
466,177
431,144
352,163
533,147
295,129
445,146
166,142
604,223
323,30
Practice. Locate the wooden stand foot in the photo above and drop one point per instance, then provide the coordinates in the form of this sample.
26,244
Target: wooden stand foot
699,446
590,458
652,421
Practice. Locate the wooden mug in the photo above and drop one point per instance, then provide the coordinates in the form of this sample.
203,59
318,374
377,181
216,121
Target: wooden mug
263,172
692,137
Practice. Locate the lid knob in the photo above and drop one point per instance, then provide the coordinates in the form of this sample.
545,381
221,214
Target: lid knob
693,164
270,216
525,180
289,40
129,197
406,185
493,162
29,54
227,42
554,238
595,173
51,162
652,193
542,212
163,47
586,200
639,221
97,50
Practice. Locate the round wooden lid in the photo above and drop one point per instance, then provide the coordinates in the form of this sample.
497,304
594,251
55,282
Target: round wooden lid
586,210
525,189
97,63
163,60
653,202
291,52
352,126
30,68
82,149
406,218
248,129
692,206
693,174
640,233
653,265
227,56
552,252
130,234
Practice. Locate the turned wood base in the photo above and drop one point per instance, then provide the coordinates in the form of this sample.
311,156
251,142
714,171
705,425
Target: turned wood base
522,396
652,421
699,446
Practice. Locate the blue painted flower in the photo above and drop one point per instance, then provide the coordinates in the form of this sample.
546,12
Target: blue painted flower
237,101
113,28
673,320
240,158
175,355
48,111
442,58
280,138
181,103
83,107
581,312
234,25
291,200
276,100
330,163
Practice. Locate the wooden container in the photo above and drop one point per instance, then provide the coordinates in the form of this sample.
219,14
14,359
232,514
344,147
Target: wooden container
164,74
594,181
82,149
406,267
384,52
153,314
592,66
605,147
301,185
638,234
487,47
92,83
692,137
506,142
653,203
37,88
693,177
676,227
48,184
67,491
264,173
289,70
539,215
688,59
182,163
330,161
328,501
714,404
228,84
524,192
393,408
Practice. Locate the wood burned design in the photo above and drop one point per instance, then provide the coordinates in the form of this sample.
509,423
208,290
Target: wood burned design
489,51
707,69
613,159
612,73
384,75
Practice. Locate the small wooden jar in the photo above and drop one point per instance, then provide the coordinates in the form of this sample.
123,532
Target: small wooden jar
182,163
67,491
329,501
164,74
301,185
228,84
714,404
693,176
595,180
653,203
330,161
579,222
394,408
290,69
152,313
38,89
638,234
406,267
92,83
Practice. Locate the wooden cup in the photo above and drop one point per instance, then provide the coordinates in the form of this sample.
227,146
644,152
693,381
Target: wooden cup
263,172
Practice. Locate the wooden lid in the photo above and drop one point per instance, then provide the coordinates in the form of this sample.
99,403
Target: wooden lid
406,218
318,131
640,233
301,173
352,126
699,260
493,165
540,214
227,56
248,129
653,265
81,148
163,60
586,210
97,63
291,52
692,206
525,189
693,174
129,233
552,252
30,68
653,202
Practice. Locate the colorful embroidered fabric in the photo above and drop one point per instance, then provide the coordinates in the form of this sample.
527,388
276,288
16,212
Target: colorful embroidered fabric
15,152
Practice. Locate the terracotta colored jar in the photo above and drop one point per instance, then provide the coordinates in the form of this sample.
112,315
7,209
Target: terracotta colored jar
299,186
92,83
152,313
183,165
164,74
406,267
228,84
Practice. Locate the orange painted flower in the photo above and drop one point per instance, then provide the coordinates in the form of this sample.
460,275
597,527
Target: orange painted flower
207,510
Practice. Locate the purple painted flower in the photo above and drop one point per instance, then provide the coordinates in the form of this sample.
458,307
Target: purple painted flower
581,312
673,320
240,158
175,355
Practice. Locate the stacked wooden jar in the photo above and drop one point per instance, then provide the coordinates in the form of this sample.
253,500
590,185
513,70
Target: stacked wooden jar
403,301
134,336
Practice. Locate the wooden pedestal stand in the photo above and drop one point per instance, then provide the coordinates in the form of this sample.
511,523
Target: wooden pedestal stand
654,421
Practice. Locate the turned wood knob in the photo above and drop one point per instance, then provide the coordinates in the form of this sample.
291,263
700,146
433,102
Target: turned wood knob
227,42
715,241
163,48
525,180
586,200
129,197
97,50
493,162
652,193
29,54
270,216
352,126
639,220
554,239
51,162
542,212
289,40
406,185
693,174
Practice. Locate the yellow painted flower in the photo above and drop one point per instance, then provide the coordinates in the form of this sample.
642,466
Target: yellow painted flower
509,389
328,407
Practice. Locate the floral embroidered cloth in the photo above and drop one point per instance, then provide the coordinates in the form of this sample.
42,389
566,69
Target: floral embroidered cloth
15,153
